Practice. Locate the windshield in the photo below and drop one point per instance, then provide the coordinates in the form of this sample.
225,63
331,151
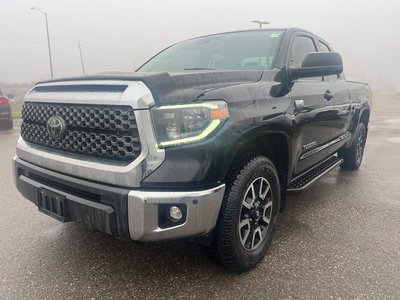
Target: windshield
248,50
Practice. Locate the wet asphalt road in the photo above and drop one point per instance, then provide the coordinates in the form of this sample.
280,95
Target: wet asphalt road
338,239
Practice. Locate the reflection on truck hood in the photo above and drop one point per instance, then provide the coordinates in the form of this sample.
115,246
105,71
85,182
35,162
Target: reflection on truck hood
178,87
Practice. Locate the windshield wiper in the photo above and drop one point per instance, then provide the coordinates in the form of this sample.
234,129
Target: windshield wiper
195,69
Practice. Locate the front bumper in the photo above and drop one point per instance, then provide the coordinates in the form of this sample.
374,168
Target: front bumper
126,214
200,208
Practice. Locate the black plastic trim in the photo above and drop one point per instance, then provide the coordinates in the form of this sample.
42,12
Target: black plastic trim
97,206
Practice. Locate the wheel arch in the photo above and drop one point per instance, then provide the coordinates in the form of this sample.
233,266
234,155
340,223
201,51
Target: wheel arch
273,145
364,118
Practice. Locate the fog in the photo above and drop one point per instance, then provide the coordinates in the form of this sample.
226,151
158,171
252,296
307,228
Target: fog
120,35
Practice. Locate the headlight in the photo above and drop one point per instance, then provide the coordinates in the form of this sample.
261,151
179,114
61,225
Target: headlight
188,123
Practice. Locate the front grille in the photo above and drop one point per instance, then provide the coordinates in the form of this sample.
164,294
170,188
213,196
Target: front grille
98,130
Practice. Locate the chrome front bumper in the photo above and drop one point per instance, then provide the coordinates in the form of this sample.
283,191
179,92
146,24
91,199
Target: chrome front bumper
202,209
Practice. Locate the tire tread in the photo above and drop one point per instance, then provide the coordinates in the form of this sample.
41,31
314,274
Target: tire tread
222,248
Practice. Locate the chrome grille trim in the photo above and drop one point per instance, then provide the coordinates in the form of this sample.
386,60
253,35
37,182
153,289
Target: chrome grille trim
105,131
138,97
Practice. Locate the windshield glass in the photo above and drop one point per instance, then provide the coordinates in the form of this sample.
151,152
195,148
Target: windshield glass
247,50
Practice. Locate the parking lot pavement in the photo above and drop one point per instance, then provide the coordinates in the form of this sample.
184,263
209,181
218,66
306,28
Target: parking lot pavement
17,124
340,239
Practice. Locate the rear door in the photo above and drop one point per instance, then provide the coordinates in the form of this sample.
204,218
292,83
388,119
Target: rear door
342,105
313,112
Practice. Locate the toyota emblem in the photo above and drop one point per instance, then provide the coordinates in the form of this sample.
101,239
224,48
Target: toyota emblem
56,127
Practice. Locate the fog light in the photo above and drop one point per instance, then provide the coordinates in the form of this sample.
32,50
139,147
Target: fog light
175,213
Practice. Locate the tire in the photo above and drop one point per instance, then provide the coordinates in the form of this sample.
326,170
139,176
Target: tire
247,217
353,156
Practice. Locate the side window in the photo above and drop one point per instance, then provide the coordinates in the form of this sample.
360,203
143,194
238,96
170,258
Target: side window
324,47
301,46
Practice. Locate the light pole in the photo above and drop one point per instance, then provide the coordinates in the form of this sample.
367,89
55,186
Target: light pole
260,23
48,38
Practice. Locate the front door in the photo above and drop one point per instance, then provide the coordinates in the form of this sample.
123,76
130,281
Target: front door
313,109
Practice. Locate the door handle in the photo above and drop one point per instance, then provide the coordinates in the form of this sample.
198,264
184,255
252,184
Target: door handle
329,95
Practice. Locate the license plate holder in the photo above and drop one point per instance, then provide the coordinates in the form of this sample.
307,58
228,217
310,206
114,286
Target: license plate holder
52,204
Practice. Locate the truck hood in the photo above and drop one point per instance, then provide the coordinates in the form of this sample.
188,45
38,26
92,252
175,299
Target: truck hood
175,87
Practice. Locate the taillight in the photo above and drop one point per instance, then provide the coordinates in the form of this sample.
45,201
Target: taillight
3,100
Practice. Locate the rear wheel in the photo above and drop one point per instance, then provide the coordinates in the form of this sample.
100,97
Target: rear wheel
248,216
353,156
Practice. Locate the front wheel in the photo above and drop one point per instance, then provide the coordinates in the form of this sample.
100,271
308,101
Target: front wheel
248,216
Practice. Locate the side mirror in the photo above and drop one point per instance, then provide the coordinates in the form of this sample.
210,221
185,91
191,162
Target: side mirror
317,64
10,96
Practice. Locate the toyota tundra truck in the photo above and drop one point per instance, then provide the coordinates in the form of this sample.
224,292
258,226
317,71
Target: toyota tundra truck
202,142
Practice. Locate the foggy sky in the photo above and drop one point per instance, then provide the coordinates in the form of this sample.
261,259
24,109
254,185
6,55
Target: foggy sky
119,35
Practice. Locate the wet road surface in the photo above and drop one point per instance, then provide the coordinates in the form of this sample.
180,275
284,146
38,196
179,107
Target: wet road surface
338,239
